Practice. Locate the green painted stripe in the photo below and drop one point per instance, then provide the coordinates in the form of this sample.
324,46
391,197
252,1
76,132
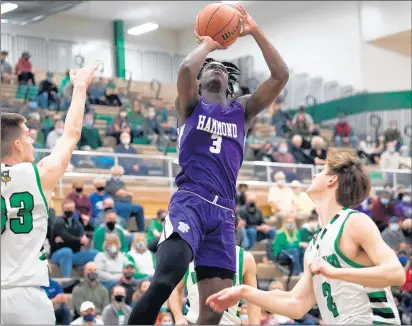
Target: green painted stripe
379,294
43,256
340,253
241,257
36,172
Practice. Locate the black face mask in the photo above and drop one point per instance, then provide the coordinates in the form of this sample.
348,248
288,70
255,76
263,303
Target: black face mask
92,277
128,275
119,298
68,214
79,190
110,225
108,209
99,189
252,207
400,196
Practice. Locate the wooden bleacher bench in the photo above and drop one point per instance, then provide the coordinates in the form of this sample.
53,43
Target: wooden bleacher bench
258,255
268,272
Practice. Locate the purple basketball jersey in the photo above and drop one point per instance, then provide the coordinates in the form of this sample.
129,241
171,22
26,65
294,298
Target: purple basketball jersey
211,146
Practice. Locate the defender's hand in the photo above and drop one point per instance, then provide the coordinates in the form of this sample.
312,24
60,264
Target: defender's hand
320,266
224,299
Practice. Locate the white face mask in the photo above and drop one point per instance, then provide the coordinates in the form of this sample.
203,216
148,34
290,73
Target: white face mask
125,141
281,182
59,131
312,226
123,114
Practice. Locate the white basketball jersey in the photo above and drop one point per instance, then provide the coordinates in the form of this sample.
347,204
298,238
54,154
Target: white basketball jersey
24,214
230,315
341,302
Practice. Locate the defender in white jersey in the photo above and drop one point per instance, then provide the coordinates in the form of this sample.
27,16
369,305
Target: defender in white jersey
245,274
25,191
348,267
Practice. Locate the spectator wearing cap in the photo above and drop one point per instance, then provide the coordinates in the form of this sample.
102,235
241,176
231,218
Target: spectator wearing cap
118,311
6,69
303,204
155,229
89,289
88,315
110,262
47,95
128,281
143,260
393,235
24,70
343,133
110,227
281,197
383,208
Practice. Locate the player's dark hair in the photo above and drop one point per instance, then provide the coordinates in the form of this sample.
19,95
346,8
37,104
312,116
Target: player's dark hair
10,131
354,184
232,71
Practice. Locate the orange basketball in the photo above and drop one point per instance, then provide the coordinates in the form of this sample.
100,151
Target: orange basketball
219,21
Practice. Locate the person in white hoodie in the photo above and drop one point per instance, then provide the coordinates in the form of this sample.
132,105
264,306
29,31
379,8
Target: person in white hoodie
88,315
143,259
110,262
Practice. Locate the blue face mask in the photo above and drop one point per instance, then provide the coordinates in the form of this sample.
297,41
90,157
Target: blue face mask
88,317
281,182
88,123
33,105
391,149
405,154
394,227
283,150
384,201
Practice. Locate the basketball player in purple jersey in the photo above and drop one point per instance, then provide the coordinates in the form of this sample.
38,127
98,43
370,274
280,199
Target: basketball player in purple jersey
212,129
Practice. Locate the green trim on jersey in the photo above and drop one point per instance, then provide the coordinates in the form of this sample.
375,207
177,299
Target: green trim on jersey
241,253
381,323
36,171
186,277
340,253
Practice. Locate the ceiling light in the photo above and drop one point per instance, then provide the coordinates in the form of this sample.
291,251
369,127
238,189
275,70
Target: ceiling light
4,21
6,7
231,2
141,29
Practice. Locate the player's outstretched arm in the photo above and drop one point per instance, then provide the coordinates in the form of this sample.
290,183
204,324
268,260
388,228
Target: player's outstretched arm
52,167
267,92
294,304
187,84
250,279
175,304
387,271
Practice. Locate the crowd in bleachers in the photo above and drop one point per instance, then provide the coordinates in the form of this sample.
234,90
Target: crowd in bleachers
102,246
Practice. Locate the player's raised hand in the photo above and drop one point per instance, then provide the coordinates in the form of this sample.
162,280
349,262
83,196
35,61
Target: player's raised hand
84,76
320,266
215,45
224,299
249,24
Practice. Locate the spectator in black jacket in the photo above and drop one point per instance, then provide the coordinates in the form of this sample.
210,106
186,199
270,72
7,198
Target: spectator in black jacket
298,152
67,237
47,92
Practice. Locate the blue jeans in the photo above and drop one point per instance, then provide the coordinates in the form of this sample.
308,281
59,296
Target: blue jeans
295,254
66,258
353,140
251,236
126,210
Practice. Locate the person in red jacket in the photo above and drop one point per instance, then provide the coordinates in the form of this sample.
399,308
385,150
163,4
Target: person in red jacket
24,70
343,133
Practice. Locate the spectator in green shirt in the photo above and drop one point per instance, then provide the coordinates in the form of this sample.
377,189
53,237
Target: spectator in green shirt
90,137
308,230
137,120
63,82
155,229
111,227
286,245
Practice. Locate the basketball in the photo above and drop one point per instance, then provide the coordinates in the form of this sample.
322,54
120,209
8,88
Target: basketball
219,21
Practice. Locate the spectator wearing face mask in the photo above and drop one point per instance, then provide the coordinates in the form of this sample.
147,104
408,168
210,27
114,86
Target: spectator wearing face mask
120,125
111,227
241,194
407,231
155,229
89,289
47,94
67,237
88,315
108,205
124,207
405,160
96,92
63,82
297,150
390,159
343,134
54,135
24,70
403,209
392,134
282,155
369,149
280,197
256,229
131,165
90,136
111,94
117,312
110,262
307,231
166,319
137,120
142,288
143,259
97,198
318,151
128,281
303,204
383,208
393,235
286,244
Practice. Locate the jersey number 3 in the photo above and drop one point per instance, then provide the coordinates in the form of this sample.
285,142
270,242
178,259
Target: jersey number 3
216,145
23,223
327,293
